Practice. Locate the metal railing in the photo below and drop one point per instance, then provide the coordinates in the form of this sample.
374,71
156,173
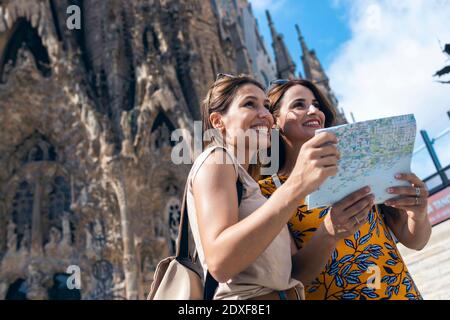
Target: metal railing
442,172
441,186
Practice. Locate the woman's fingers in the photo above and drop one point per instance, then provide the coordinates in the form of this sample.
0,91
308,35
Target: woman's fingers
359,212
406,191
330,171
355,222
360,205
326,151
327,161
356,214
412,178
363,215
359,225
351,213
415,196
352,198
323,138
406,201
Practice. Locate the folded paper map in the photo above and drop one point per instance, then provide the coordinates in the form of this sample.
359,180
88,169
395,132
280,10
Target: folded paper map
372,153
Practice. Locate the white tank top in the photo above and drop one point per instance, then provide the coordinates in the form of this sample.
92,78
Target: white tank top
272,269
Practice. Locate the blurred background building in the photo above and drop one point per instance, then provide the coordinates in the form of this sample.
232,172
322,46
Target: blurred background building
86,116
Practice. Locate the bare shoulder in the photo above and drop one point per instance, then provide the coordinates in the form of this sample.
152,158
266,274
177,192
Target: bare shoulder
219,157
217,170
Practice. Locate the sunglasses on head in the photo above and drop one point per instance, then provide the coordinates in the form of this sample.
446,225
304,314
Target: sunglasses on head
276,82
224,75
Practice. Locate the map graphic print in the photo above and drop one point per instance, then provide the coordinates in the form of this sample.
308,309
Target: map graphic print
372,153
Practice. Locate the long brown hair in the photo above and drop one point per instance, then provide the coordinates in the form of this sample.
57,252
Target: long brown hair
276,94
218,99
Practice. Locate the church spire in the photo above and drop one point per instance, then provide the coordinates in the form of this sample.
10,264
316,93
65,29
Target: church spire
311,65
285,64
314,72
302,40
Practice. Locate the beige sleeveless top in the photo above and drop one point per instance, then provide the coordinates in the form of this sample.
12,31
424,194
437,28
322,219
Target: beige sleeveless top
272,269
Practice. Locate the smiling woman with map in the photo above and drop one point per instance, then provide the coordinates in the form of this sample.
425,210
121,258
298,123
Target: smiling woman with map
360,259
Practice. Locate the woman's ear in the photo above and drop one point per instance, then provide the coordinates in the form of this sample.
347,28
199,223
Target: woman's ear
216,121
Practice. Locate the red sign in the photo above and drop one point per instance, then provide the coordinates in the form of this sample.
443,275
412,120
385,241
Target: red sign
439,206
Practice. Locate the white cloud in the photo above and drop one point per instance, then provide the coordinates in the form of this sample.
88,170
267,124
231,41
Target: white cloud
386,68
271,5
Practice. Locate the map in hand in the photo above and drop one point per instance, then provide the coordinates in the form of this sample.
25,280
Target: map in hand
372,153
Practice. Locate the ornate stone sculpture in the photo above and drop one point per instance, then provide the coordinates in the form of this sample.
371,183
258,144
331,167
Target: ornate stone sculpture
67,234
127,143
12,238
148,268
51,248
35,280
118,283
3,290
165,136
79,108
89,247
160,228
26,239
99,236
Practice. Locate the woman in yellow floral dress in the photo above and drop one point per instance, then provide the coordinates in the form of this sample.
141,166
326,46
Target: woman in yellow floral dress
362,265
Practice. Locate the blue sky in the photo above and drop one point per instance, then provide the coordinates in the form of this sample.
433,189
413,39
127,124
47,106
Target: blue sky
380,56
323,24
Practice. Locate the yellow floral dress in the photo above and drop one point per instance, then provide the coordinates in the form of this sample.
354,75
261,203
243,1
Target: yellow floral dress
368,255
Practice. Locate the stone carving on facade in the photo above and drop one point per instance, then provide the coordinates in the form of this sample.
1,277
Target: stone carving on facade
51,248
67,233
153,141
3,290
98,236
143,120
59,244
172,190
85,107
165,136
11,245
89,247
148,268
25,60
25,243
173,211
127,143
7,68
92,126
118,285
160,227
103,276
35,283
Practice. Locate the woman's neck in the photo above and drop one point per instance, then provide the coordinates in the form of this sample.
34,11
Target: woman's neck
291,155
244,162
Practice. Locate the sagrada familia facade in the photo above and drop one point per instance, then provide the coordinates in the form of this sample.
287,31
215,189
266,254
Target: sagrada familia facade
86,115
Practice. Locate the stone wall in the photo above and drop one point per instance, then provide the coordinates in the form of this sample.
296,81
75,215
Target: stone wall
86,176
